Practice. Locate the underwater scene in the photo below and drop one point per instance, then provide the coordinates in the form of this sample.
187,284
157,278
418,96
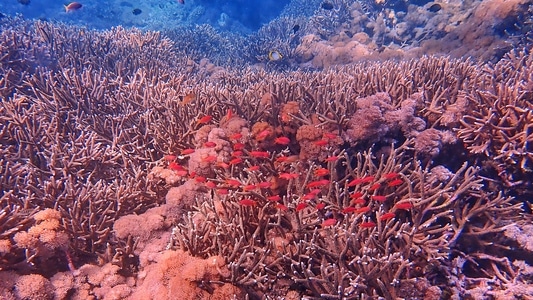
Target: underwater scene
293,149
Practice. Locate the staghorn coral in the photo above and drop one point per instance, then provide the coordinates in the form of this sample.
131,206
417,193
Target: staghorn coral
500,126
82,142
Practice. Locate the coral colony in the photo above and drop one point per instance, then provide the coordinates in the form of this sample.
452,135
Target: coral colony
131,170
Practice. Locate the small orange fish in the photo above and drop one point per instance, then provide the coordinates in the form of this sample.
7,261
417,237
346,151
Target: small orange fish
254,168
210,144
188,98
72,6
320,206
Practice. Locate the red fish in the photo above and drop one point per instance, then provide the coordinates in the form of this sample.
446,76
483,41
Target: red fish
331,158
368,224
236,136
395,182
288,176
319,183
404,205
187,151
233,182
223,191
349,209
210,144
247,202
391,175
170,157
320,143
209,158
387,216
274,198
281,207
263,154
249,187
264,184
200,179
362,210
254,168
282,140
235,161
301,206
374,187
72,6
379,198
321,172
205,119
211,184
328,222
320,206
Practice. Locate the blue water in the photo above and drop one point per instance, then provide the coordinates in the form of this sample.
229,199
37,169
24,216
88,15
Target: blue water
231,15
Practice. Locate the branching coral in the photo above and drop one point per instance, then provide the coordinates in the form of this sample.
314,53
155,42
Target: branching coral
266,173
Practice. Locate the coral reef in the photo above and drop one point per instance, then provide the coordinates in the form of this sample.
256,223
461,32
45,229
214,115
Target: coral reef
128,169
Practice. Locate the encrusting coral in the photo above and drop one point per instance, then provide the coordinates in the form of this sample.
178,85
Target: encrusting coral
151,175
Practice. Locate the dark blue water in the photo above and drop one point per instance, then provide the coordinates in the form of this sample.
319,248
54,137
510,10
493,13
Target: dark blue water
231,15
